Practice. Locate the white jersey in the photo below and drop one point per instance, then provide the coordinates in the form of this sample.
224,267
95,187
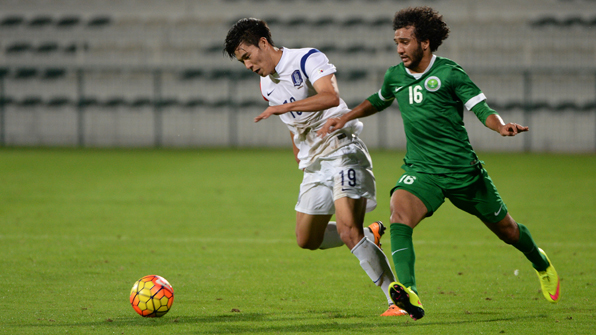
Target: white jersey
293,80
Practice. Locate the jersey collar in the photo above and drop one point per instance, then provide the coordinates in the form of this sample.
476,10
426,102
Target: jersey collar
419,75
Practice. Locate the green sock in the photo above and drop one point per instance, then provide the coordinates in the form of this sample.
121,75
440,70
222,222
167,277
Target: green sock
528,247
402,251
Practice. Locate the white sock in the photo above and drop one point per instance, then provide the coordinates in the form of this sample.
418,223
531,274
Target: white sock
332,239
376,265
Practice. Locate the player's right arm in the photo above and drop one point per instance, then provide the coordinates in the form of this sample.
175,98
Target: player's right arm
363,110
375,103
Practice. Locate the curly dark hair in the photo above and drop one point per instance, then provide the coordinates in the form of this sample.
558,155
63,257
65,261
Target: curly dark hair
248,31
428,25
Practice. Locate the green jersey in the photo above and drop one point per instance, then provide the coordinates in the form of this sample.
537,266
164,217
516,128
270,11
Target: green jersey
432,105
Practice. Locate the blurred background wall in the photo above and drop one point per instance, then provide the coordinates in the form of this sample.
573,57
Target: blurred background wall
129,73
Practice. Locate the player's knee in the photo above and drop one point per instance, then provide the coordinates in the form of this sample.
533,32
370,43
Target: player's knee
399,217
306,243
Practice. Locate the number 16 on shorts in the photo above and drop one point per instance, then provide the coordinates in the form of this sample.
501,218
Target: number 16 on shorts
408,180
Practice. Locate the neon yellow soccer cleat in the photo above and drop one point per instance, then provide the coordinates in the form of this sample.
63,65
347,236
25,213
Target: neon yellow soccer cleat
378,229
549,280
406,299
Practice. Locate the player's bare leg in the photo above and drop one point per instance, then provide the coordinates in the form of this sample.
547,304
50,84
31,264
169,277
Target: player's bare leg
310,230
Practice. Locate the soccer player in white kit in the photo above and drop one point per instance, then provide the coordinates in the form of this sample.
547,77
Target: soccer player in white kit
301,88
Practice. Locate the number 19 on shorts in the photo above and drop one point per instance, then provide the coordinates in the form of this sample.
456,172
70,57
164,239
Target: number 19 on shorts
348,179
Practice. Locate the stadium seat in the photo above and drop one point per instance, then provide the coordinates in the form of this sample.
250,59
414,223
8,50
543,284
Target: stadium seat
99,22
220,74
4,72
58,102
114,102
355,49
88,101
30,101
47,47
323,22
353,75
328,48
242,75
25,73
191,74
589,106
566,105
167,102
352,22
68,22
73,47
214,48
141,102
194,102
381,22
545,22
252,103
53,73
513,105
11,21
541,105
573,21
220,103
296,22
18,47
271,21
40,21
6,100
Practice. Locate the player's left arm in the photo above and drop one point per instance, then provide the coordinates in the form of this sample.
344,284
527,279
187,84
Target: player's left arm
475,101
327,96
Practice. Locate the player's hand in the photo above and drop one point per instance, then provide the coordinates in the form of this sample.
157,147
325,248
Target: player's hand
512,129
273,110
331,125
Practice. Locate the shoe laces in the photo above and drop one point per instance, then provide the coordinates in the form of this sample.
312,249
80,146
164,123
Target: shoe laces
544,276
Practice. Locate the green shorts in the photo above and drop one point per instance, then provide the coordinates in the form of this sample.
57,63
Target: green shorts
473,193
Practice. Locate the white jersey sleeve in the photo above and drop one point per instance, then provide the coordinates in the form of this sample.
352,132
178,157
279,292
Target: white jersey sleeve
316,65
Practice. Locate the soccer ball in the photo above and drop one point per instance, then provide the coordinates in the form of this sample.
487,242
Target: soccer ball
152,296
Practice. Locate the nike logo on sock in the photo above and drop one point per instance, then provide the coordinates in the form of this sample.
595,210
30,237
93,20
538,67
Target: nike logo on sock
398,250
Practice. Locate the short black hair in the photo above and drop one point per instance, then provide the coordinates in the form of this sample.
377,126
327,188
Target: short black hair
428,25
248,31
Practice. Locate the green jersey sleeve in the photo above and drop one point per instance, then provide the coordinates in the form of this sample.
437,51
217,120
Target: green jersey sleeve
470,94
482,111
384,97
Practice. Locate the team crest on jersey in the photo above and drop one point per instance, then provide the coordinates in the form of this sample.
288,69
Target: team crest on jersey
432,84
297,78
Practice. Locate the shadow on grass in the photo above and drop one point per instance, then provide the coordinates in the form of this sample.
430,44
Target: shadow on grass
265,323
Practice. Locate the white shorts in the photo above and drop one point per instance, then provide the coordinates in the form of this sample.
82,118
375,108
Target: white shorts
348,173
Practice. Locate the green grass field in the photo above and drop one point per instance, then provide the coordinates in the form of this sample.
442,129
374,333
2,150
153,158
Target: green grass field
79,227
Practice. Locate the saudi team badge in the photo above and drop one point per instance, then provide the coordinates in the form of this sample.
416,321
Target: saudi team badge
432,84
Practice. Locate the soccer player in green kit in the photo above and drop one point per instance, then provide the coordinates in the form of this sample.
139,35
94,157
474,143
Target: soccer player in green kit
440,163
